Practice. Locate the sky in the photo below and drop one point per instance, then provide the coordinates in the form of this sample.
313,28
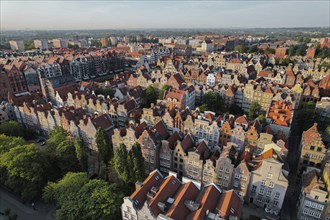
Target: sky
66,15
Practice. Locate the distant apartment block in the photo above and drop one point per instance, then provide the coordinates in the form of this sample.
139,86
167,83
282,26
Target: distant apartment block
41,44
60,43
16,45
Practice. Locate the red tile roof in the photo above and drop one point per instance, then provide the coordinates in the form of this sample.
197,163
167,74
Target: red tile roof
187,142
178,209
230,204
168,188
208,200
154,179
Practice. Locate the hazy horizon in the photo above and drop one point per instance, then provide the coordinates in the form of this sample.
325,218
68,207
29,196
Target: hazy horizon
137,15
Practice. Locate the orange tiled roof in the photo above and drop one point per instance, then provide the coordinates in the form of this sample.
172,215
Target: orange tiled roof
230,204
208,201
178,209
140,195
168,188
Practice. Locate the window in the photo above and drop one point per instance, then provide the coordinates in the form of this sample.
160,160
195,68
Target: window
263,182
271,185
312,147
261,190
269,175
316,197
305,211
157,178
259,199
254,188
276,203
269,193
277,195
237,176
319,149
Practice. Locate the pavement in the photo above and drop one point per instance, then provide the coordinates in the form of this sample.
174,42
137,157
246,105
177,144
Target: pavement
24,211
251,211
289,208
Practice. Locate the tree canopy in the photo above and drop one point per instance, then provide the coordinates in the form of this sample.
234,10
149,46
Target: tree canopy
104,145
162,91
213,102
24,170
62,151
254,110
80,198
105,91
81,153
129,165
150,96
12,128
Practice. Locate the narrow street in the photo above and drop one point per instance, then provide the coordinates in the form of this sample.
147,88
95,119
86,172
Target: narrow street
289,208
24,211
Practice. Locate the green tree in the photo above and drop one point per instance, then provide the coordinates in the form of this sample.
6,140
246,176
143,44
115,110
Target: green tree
120,163
235,109
104,145
56,136
254,110
7,142
61,152
81,153
162,91
137,163
327,130
253,49
285,62
12,128
80,198
105,91
214,102
59,191
241,49
203,108
262,120
26,167
307,116
150,96
269,51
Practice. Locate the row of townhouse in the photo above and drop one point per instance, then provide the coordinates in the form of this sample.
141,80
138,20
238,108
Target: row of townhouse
313,202
217,131
167,198
30,75
193,157
121,108
261,181
43,118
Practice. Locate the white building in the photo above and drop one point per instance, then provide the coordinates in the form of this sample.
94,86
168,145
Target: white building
210,79
313,200
17,45
60,43
268,182
207,45
41,44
